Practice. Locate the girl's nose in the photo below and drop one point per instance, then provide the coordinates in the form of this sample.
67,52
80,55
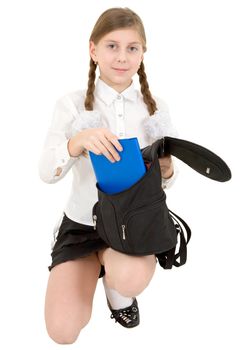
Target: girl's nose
121,57
121,60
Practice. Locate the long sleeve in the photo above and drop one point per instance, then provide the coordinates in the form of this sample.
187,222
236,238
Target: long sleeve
55,160
158,126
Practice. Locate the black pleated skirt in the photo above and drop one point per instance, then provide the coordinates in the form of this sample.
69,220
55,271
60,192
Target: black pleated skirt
75,240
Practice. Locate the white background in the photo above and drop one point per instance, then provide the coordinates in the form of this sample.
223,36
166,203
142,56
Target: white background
199,60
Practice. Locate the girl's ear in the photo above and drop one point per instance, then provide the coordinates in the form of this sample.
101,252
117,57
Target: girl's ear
92,51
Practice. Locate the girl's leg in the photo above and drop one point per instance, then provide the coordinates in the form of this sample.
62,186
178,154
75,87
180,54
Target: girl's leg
129,275
69,298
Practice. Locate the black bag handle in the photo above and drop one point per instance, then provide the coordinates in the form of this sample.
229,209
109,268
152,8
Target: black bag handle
151,152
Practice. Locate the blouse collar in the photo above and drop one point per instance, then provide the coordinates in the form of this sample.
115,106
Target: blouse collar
108,95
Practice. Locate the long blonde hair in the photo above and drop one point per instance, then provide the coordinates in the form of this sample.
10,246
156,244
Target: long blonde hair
110,20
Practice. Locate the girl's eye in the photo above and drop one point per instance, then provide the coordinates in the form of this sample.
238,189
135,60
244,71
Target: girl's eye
111,46
133,49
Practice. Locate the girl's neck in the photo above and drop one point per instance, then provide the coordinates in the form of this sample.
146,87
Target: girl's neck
117,87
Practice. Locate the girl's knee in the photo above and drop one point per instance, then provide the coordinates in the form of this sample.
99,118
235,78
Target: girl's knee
66,331
60,336
133,278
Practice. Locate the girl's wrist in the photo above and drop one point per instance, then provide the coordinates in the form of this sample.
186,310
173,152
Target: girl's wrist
168,174
166,166
74,146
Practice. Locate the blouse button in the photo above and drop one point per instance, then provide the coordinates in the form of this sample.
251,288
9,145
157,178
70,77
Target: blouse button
119,97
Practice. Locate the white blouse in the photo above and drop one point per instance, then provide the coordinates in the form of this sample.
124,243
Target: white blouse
125,114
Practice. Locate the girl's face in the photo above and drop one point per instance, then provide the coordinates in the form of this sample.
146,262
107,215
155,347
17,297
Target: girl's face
119,55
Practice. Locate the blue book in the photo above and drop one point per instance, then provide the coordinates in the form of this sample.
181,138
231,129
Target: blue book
116,177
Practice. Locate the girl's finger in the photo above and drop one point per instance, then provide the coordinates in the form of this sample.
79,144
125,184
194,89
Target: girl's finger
104,151
114,140
110,148
94,149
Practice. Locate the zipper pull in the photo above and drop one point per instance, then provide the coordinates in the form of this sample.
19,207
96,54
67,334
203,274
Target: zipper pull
123,232
94,220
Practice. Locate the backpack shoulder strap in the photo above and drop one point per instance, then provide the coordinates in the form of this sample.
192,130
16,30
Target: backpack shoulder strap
169,258
181,227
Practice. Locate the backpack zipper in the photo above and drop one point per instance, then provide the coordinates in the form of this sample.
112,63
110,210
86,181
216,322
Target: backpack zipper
144,205
94,220
123,232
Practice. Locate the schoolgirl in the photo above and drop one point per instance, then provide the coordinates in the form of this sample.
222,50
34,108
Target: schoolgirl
95,120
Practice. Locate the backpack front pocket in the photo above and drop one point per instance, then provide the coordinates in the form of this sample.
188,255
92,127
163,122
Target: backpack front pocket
149,228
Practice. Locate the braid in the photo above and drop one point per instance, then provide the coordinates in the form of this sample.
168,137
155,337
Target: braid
148,99
89,100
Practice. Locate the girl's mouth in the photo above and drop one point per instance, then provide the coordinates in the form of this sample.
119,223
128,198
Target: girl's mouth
120,69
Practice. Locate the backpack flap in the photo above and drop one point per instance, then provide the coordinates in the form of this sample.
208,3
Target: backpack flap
197,157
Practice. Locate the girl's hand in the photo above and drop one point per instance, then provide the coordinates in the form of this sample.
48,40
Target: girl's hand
166,167
97,140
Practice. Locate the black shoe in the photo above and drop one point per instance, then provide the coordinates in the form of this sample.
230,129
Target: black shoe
128,317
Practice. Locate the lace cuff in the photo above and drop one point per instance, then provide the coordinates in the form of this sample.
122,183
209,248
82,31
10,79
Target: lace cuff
159,125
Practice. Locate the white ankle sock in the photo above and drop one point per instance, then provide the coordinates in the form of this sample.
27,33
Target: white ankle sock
116,300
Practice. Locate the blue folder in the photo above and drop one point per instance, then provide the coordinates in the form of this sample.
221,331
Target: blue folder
118,176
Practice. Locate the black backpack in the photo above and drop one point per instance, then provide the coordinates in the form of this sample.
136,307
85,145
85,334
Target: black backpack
138,222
